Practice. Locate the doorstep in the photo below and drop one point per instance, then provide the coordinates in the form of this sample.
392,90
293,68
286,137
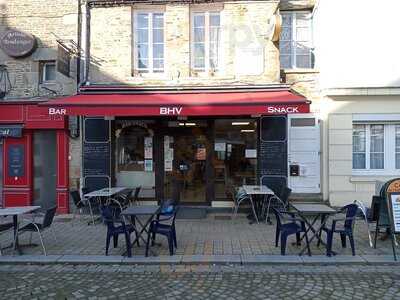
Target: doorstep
201,260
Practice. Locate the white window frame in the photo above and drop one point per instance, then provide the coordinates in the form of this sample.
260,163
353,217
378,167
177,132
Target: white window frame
207,13
150,69
293,58
43,69
389,146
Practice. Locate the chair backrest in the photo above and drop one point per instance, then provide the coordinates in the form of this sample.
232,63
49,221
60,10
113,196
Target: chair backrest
278,216
107,215
351,211
76,198
284,195
136,195
49,216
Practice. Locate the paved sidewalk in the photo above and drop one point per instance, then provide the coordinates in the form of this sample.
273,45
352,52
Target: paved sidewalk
214,236
198,282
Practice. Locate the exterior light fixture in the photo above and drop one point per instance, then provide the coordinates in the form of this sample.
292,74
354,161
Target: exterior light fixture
5,83
247,130
240,123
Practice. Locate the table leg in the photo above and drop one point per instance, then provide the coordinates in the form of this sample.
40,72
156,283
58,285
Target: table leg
16,243
316,233
139,234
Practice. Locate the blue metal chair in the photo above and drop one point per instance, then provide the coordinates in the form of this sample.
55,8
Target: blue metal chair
292,226
159,226
345,230
114,231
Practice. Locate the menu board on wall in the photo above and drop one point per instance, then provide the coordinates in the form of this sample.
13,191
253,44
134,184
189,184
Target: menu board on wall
273,156
16,160
96,153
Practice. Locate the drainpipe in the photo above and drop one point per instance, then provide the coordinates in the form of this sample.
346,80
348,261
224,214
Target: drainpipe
87,46
79,43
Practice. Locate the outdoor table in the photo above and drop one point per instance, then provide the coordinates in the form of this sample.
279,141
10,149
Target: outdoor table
149,211
317,210
258,190
15,212
104,193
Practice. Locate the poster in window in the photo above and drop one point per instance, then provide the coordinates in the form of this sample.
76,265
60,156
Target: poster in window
16,161
201,154
148,148
148,165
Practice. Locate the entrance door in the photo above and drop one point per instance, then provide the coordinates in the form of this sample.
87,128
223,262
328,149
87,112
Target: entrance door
1,173
44,166
304,152
185,163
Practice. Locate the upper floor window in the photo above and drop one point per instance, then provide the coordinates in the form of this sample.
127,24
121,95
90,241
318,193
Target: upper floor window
295,40
206,39
149,42
47,71
376,147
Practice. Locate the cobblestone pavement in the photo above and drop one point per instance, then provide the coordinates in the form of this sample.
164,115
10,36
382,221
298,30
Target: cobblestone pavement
215,235
198,282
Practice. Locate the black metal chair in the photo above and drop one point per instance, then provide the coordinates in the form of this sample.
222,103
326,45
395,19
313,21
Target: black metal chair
80,205
33,226
281,199
4,227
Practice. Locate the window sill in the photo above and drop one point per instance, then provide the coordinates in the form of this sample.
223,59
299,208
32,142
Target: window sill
300,71
371,177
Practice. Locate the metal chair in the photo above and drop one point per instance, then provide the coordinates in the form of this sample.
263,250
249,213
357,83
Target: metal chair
135,199
282,198
33,226
81,204
240,197
4,227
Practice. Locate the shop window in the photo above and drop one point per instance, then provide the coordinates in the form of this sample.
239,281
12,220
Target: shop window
376,148
134,156
235,154
149,42
47,71
295,44
206,41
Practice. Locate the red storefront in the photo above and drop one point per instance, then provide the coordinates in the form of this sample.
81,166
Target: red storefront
33,156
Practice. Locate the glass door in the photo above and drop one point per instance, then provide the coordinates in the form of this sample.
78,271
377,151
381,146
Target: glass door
185,163
44,165
1,173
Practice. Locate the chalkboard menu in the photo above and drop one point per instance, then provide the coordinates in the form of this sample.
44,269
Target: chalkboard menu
273,151
96,153
16,161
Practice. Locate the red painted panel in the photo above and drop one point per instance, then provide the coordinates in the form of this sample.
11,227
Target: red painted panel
17,198
12,113
62,202
62,171
39,118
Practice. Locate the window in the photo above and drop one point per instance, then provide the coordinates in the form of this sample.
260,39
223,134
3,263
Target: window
376,147
149,42
206,38
47,71
295,40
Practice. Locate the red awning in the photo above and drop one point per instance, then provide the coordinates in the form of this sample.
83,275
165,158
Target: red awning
181,104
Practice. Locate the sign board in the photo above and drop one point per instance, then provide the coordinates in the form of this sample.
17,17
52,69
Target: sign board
16,161
63,60
10,131
393,200
17,43
273,157
96,153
